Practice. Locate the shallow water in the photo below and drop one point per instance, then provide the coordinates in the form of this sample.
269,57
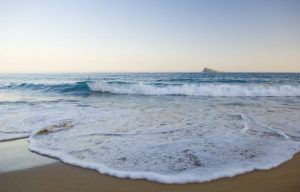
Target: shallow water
170,128
16,156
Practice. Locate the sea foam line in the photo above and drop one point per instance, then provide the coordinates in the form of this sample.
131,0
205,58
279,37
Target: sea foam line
181,178
178,178
223,90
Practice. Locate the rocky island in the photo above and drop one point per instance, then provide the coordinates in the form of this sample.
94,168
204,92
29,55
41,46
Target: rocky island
208,70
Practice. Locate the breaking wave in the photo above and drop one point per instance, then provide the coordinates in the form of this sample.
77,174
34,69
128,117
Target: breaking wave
77,87
188,89
223,90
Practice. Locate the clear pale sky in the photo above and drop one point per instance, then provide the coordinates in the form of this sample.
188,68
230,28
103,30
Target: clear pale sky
149,36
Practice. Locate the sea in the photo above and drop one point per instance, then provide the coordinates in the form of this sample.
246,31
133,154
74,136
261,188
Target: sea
163,127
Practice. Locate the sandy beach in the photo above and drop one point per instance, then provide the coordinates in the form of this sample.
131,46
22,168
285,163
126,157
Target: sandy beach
61,177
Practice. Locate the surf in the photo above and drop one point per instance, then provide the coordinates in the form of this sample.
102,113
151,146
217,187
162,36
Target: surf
205,90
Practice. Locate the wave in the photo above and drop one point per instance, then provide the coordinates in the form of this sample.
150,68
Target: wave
77,87
188,89
224,90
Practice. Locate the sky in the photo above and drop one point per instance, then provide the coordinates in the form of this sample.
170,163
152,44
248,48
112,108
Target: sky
149,35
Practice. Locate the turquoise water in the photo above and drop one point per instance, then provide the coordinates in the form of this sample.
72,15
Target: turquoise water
164,127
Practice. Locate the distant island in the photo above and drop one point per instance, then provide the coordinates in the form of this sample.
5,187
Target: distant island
208,70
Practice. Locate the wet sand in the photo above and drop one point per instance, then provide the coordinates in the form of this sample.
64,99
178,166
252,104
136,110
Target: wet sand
14,155
60,177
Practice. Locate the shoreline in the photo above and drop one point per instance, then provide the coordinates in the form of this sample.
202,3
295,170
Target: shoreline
15,155
58,176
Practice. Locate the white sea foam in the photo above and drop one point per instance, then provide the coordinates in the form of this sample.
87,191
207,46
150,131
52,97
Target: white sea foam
246,122
20,120
227,90
190,141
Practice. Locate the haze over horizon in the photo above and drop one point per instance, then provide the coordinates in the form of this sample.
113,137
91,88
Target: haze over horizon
149,36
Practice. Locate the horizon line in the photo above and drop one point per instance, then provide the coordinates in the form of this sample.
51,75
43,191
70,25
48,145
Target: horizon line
120,72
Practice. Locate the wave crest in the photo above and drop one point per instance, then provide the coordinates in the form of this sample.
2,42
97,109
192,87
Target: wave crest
221,90
77,87
188,89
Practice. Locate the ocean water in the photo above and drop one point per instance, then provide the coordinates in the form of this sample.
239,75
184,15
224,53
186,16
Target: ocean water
164,127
